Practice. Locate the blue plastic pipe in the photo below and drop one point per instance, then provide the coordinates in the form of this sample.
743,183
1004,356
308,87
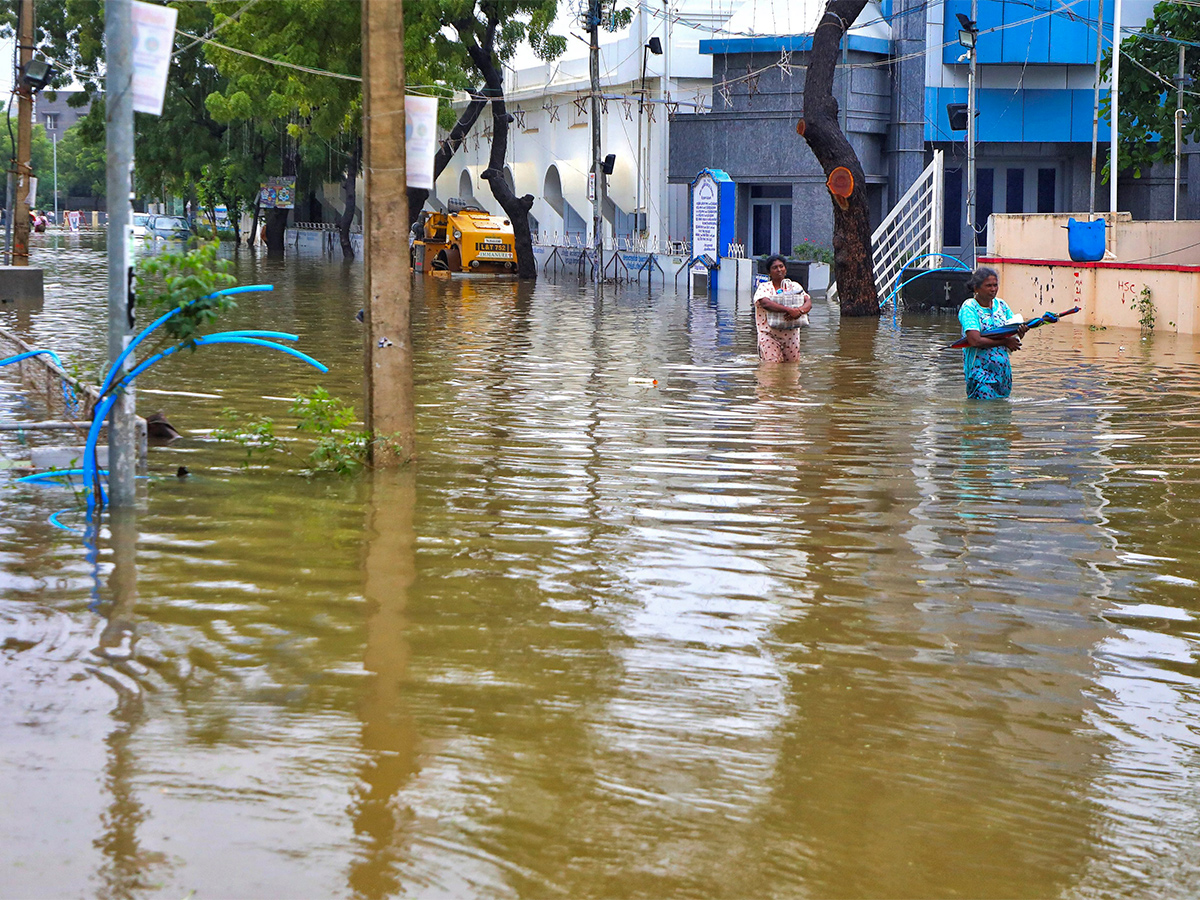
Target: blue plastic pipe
54,473
120,360
21,356
106,403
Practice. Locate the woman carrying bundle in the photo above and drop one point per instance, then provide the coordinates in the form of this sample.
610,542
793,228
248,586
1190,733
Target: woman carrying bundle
986,364
779,340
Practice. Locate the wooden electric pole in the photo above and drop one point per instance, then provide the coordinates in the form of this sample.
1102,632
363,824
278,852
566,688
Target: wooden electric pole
20,256
387,316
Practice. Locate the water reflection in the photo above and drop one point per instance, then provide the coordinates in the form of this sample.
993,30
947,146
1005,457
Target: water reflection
389,739
648,618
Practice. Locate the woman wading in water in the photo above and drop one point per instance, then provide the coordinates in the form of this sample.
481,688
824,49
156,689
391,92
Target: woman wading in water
986,364
779,341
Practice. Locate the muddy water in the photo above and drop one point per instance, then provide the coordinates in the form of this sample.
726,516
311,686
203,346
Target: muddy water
825,630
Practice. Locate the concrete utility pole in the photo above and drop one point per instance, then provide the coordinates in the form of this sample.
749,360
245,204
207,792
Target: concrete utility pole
1096,111
387,315
24,140
598,193
118,87
971,138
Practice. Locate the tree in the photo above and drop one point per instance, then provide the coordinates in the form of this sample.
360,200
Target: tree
175,149
853,264
82,167
490,31
1148,97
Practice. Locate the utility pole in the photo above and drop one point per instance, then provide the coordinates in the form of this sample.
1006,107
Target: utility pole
118,88
1180,114
24,139
387,314
972,137
1096,112
598,192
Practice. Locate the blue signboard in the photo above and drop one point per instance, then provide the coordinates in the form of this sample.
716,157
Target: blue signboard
714,217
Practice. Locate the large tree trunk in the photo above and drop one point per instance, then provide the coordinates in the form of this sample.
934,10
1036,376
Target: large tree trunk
346,219
516,208
853,264
254,222
466,121
274,226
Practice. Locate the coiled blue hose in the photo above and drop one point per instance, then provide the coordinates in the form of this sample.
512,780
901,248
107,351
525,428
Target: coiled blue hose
157,323
104,407
69,398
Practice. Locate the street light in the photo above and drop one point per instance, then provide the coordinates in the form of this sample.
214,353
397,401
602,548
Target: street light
654,45
35,74
967,36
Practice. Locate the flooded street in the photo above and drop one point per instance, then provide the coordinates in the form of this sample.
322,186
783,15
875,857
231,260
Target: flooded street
826,630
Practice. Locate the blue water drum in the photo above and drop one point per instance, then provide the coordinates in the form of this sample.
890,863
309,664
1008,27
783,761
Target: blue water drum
1085,240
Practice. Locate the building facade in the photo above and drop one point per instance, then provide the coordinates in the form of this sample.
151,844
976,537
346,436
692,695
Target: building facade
53,111
729,89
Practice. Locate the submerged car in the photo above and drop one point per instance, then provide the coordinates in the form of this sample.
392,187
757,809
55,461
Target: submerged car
168,228
139,224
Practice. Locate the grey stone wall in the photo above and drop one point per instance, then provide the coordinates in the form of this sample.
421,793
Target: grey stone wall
752,136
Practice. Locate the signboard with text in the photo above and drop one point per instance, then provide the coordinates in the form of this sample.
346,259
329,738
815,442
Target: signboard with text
713,208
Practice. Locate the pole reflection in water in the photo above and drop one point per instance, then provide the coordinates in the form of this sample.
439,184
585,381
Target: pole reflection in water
127,869
389,737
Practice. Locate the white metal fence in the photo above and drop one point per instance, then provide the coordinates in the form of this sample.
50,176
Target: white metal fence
912,229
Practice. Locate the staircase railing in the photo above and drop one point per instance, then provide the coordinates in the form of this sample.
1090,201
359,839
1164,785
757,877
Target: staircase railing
911,229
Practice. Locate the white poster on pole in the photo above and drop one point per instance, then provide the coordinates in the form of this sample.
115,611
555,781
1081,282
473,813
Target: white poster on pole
153,37
31,200
420,140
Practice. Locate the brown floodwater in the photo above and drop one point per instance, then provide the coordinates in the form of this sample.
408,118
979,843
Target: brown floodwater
825,630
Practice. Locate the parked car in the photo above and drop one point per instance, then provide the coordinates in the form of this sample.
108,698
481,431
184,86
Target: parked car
168,228
140,221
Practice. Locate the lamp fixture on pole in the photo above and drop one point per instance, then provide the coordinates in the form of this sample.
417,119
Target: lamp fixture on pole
654,45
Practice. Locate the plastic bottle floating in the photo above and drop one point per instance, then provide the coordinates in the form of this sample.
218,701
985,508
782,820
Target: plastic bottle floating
643,382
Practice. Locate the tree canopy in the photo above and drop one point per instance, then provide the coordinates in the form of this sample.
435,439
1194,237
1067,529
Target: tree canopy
1148,95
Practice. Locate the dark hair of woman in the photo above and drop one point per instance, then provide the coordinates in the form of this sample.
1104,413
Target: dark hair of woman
771,260
980,275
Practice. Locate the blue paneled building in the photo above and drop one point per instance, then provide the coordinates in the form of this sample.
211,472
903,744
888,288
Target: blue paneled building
901,66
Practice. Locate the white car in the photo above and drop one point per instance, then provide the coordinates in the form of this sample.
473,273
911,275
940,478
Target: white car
139,224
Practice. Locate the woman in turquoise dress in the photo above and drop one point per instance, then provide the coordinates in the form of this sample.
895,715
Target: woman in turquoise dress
985,360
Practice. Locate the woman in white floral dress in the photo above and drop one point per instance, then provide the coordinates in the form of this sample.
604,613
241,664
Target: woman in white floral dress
778,344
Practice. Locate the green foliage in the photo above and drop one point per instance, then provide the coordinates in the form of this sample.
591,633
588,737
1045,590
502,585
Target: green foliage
332,445
185,280
1148,96
81,166
812,252
1147,313
41,153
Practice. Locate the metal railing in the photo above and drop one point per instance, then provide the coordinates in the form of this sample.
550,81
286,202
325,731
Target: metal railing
912,229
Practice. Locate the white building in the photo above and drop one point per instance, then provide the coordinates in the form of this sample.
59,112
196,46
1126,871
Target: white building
550,145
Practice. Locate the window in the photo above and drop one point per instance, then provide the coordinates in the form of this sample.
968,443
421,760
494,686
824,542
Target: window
50,120
770,219
984,203
1046,190
952,221
1014,200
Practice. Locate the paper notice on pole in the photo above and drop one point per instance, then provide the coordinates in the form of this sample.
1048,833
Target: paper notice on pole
31,200
153,37
420,140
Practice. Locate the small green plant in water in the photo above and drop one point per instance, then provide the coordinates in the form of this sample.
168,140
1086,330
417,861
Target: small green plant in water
185,280
1144,304
337,447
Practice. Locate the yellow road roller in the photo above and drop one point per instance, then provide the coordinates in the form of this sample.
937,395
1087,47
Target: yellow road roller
465,238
